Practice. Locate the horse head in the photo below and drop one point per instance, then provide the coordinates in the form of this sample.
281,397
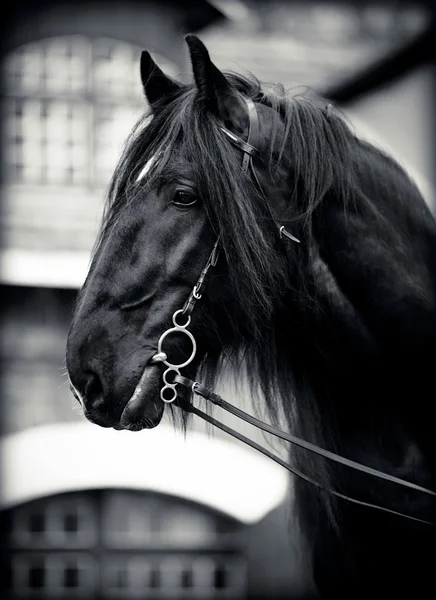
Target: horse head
178,193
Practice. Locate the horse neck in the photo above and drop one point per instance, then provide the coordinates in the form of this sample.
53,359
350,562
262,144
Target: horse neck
336,346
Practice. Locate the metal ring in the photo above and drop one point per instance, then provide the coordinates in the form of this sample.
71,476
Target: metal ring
178,312
164,376
190,336
168,387
194,386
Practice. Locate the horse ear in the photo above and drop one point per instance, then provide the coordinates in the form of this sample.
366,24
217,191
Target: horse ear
214,89
157,86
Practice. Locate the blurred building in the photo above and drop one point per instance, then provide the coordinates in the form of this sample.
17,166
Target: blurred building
71,93
122,544
88,513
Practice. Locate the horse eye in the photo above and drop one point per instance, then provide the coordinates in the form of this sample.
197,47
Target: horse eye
185,198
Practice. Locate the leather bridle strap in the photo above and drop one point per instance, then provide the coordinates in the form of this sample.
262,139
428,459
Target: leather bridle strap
216,399
197,290
249,148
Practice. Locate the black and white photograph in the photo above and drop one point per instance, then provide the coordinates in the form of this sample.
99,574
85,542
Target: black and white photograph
218,300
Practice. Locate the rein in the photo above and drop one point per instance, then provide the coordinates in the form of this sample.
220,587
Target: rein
168,392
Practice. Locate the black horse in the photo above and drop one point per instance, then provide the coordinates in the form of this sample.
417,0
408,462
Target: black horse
337,332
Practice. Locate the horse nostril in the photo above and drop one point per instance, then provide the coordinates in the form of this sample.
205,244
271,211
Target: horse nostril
94,392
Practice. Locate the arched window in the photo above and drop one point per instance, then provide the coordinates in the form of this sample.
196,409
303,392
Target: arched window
68,106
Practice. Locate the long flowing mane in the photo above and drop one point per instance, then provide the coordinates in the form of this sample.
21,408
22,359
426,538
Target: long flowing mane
325,163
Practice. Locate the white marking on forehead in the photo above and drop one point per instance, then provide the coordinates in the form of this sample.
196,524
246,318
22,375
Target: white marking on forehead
147,167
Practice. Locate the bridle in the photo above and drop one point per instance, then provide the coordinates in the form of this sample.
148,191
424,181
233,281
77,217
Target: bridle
168,392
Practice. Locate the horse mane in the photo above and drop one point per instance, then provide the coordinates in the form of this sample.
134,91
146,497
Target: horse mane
322,155
317,142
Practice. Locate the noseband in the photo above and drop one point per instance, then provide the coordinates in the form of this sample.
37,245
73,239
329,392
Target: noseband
168,392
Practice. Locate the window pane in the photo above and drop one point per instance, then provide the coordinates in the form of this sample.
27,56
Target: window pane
36,577
65,64
37,522
65,140
115,70
70,105
112,127
23,140
23,69
71,577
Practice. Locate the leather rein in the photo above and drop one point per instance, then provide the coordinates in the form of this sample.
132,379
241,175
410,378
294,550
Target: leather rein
172,376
